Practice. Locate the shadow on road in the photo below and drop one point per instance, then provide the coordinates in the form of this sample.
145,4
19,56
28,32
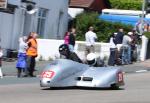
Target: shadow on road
80,88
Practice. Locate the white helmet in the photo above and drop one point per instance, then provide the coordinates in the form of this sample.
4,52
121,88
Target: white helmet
91,59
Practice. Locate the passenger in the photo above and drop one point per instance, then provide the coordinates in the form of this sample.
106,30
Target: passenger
65,51
94,61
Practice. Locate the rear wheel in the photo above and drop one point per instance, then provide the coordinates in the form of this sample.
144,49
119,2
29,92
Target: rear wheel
115,87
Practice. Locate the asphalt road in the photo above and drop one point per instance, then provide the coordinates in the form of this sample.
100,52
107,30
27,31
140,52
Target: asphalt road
27,90
9,68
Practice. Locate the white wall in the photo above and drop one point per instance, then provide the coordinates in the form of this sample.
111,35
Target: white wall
48,48
73,12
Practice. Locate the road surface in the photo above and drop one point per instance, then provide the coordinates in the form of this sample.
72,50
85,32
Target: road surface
27,90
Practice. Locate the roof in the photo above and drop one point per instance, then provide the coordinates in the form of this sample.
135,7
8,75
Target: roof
81,3
95,5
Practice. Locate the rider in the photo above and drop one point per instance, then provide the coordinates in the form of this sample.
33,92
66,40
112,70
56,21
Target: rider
64,50
94,61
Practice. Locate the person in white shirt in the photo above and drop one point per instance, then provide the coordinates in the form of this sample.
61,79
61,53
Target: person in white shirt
113,50
90,38
21,62
126,48
1,54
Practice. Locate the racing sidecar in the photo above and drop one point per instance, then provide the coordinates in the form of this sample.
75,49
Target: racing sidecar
66,73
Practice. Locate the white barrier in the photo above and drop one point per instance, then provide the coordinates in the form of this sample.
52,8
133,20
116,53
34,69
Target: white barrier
143,48
48,49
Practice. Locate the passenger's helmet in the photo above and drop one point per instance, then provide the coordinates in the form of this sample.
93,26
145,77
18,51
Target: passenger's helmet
91,59
63,49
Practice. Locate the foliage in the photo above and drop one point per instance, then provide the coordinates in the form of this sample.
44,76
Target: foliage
102,28
147,34
126,4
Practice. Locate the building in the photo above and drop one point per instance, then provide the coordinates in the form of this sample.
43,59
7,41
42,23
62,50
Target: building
78,6
90,5
49,20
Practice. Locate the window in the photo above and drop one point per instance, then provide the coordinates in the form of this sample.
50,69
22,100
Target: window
42,15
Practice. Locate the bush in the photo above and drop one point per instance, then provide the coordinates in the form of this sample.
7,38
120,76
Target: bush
102,28
147,34
126,4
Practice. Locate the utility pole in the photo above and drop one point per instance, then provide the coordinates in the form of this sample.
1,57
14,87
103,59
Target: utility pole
142,17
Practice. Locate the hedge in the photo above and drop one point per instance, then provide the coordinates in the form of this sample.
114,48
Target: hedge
102,28
147,34
126,4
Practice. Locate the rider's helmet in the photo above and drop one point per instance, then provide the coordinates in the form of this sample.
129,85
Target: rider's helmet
91,59
63,49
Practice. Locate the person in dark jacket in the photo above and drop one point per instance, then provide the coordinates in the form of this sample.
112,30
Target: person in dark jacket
119,37
72,39
65,51
113,50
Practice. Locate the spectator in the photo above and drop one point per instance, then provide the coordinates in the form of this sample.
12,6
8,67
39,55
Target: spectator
72,39
126,48
119,36
1,54
90,38
31,53
66,38
134,38
113,50
21,62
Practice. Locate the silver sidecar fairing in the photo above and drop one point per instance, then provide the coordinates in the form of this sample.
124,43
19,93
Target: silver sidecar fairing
64,73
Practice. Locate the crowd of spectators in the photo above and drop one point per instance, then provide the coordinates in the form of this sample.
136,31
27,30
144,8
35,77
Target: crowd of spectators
123,48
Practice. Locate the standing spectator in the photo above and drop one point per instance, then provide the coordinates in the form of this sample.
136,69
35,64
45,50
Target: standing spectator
31,53
21,62
1,54
119,36
113,50
72,39
90,38
126,48
134,38
66,38
118,41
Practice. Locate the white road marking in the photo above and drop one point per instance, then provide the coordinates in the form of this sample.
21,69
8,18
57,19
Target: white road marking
141,71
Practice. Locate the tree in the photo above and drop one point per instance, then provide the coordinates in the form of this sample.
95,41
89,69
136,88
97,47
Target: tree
102,28
126,4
